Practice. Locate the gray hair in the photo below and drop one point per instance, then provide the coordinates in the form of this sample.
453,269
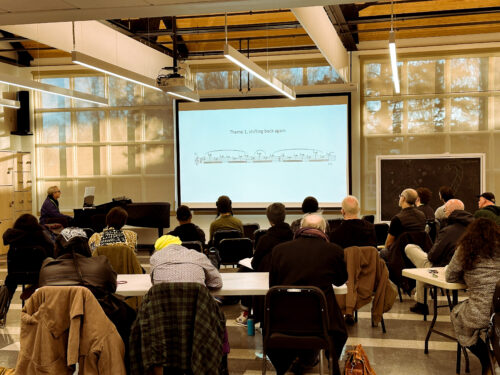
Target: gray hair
51,190
410,196
313,220
350,205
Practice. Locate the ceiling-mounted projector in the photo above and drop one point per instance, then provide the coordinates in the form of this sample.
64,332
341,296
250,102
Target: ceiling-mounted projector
178,85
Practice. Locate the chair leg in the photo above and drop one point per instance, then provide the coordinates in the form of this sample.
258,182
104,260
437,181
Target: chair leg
399,292
321,355
264,364
356,316
383,325
425,302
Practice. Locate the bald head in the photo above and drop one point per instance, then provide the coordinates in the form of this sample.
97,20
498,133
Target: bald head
314,220
350,207
452,205
408,198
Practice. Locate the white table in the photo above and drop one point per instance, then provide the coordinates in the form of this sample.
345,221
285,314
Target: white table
435,276
233,284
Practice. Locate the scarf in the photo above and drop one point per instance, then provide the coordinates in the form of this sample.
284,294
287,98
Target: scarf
311,232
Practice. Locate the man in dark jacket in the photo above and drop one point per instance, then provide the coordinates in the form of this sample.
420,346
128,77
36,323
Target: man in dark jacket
278,232
353,231
187,231
442,250
487,208
310,260
49,213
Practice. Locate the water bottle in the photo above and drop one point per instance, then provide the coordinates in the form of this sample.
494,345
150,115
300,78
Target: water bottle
250,327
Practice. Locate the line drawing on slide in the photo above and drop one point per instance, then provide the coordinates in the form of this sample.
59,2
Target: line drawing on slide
289,155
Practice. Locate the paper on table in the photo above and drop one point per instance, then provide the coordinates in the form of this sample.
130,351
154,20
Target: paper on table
246,262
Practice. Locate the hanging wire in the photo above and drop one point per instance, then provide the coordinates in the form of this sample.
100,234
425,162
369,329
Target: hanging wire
392,14
73,28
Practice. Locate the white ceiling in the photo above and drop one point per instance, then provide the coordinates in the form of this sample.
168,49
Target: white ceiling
37,11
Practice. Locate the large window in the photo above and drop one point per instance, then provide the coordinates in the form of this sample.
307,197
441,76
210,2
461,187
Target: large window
447,104
125,149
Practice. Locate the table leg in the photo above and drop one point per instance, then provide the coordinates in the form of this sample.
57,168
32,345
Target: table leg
434,297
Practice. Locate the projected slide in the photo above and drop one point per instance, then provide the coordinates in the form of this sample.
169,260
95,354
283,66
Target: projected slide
261,155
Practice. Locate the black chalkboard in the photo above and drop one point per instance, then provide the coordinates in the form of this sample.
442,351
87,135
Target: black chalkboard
462,174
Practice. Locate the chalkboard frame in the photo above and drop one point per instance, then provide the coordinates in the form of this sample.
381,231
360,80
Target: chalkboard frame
380,158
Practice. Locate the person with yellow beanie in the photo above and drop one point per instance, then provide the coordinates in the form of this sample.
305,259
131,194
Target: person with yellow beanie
173,262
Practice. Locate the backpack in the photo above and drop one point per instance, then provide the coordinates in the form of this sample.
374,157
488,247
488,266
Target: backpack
357,362
5,298
214,257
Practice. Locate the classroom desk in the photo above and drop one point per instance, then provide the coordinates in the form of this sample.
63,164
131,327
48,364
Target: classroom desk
234,284
437,280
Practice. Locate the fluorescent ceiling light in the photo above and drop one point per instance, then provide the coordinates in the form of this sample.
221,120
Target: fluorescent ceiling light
394,61
185,95
10,103
50,89
116,71
251,67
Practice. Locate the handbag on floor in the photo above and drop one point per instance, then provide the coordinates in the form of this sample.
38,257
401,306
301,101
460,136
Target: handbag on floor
357,362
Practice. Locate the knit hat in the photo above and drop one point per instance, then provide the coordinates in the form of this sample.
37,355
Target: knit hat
70,232
488,196
167,240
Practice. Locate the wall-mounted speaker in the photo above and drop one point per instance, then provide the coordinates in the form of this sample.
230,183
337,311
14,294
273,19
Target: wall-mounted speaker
23,114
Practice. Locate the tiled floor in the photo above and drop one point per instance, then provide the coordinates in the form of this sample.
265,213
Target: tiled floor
399,351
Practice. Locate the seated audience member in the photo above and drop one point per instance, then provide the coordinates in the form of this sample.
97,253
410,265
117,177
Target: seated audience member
409,219
49,213
113,233
186,230
442,250
310,259
225,218
261,262
309,206
353,231
445,194
424,197
26,232
172,262
487,207
476,263
74,265
72,249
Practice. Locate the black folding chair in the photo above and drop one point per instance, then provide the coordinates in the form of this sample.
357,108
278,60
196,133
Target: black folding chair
369,218
194,245
225,233
232,250
249,230
381,230
257,236
296,317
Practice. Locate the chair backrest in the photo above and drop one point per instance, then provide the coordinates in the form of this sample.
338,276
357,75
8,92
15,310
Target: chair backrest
369,218
432,228
178,319
194,245
121,257
225,233
249,230
257,236
232,250
296,311
381,230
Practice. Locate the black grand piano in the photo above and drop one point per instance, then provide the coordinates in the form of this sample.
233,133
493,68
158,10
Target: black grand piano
146,215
